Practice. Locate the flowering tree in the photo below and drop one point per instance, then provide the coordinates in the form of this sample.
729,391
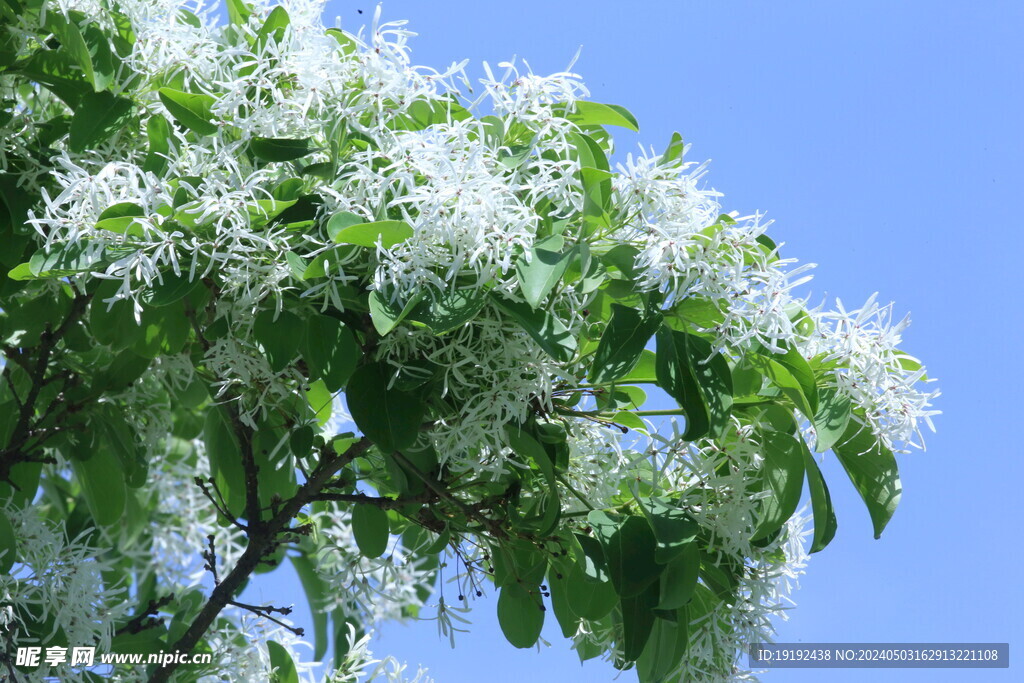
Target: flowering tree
227,244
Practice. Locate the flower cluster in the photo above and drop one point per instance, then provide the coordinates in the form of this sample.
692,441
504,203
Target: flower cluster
485,259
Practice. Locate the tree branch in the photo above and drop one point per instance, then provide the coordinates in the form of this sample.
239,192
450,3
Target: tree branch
261,540
15,452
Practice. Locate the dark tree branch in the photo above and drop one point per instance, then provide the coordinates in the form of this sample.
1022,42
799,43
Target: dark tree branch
218,502
490,524
382,502
146,619
210,556
261,541
15,451
266,612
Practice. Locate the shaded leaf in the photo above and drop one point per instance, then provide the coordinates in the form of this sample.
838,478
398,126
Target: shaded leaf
387,233
280,149
370,528
330,350
622,343
832,418
781,477
872,469
190,110
388,417
546,329
545,266
638,621
825,523
520,615
98,117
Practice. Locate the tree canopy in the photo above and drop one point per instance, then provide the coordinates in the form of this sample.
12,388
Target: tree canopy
274,295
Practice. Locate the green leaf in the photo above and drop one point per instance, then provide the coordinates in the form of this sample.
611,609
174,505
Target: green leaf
330,350
225,455
280,149
720,574
320,400
103,485
281,661
118,437
448,310
783,379
119,217
589,152
547,330
347,44
190,110
280,336
98,117
674,151
520,614
22,271
530,449
72,258
825,523
591,558
714,378
112,324
172,289
699,311
158,133
801,370
620,397
72,41
539,274
673,527
597,114
238,12
162,330
274,27
101,56
591,600
665,647
8,544
679,579
316,593
568,620
386,315
24,477
388,417
597,192
622,343
148,641
125,367
644,371
638,621
388,233
262,211
340,221
629,552
832,418
782,477
518,561
677,378
872,469
370,528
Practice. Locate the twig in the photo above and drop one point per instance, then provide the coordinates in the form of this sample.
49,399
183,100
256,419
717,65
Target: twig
261,540
266,611
146,619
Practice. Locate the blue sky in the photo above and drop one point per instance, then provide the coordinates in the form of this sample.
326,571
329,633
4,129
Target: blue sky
884,139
